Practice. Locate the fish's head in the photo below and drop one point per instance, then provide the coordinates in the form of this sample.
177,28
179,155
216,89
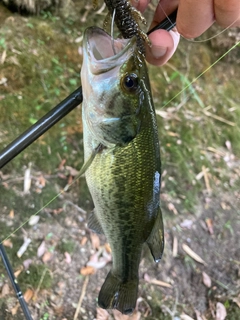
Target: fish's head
114,81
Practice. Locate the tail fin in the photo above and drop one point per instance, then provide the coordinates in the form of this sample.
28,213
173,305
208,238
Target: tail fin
116,294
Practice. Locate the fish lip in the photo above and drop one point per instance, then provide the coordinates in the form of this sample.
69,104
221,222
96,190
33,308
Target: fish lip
97,41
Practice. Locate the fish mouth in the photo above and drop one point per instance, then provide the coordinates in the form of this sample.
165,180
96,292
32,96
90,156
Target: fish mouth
104,52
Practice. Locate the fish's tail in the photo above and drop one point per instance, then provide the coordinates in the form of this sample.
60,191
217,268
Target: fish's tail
116,294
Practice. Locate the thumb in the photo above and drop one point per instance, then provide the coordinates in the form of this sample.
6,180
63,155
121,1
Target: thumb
164,45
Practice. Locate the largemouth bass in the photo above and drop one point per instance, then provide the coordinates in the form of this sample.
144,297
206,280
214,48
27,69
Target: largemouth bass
122,157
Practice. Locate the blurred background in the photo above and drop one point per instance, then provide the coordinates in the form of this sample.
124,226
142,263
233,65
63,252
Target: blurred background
63,265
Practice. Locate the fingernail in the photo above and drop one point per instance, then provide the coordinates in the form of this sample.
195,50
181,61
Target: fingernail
158,51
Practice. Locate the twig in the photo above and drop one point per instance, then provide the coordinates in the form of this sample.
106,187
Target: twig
206,179
81,297
75,206
40,283
214,116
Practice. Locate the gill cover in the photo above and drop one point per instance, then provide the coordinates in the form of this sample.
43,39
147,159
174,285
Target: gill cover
112,87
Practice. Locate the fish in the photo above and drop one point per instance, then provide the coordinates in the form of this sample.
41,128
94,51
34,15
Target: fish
122,160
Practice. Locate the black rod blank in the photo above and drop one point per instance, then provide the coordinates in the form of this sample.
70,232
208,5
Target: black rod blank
15,285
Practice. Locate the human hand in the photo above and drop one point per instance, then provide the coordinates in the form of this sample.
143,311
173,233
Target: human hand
194,18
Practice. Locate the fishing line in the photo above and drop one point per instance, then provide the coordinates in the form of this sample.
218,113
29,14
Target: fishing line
201,74
38,211
112,29
216,35
173,25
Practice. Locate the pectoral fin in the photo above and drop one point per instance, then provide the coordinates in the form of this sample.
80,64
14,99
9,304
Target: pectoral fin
89,161
94,224
156,239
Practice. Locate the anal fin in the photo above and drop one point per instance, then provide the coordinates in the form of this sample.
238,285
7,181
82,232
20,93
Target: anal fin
156,239
94,224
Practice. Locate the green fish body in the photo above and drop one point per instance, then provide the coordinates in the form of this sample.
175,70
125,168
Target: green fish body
121,139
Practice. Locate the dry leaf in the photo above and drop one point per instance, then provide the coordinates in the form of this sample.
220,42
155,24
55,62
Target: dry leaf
186,224
99,259
69,182
221,312
7,243
41,249
237,300
61,165
206,280
28,295
84,241
108,248
185,317
3,80
172,134
172,208
161,283
119,316
95,240
228,145
47,256
17,273
68,258
26,263
14,310
73,172
156,282
5,290
209,224
33,220
24,247
192,254
206,178
87,270
11,214
175,247
57,211
3,57
41,181
102,314
27,180
198,315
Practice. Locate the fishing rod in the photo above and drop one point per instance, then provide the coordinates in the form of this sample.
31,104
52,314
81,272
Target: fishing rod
33,133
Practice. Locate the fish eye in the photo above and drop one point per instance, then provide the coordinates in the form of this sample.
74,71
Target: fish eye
130,82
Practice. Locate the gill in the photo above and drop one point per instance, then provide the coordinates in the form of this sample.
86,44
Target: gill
83,169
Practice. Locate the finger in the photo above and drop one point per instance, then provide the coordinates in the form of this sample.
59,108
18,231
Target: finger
194,17
164,9
227,13
140,5
163,46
